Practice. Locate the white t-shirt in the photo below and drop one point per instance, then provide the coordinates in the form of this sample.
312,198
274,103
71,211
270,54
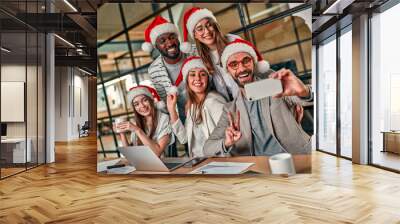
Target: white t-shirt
174,69
173,72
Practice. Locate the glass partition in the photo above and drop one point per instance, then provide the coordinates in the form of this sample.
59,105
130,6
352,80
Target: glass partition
31,98
346,93
22,92
385,89
327,96
14,150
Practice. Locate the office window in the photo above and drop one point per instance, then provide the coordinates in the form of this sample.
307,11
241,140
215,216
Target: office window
259,11
385,88
345,93
109,26
227,15
327,96
270,36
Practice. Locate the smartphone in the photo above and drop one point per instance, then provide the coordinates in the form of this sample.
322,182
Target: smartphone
262,89
194,162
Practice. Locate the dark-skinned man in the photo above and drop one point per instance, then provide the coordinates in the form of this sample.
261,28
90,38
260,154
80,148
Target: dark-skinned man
165,69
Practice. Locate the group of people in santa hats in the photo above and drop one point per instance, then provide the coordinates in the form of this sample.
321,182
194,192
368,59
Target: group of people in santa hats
199,100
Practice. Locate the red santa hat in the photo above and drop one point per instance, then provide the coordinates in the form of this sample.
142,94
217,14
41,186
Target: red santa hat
239,45
158,27
190,19
188,64
147,91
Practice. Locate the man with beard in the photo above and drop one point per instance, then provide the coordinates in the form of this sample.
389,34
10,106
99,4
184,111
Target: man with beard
165,69
263,127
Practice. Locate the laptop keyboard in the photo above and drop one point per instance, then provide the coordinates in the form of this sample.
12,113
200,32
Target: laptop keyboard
172,165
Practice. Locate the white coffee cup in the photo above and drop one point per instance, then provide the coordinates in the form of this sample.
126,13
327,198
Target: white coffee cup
119,120
282,163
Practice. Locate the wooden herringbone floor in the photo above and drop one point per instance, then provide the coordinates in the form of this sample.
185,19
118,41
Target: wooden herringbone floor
70,191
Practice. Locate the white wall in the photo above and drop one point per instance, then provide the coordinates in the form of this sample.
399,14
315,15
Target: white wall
61,103
71,87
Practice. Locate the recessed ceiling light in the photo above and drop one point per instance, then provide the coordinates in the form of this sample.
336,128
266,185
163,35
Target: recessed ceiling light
64,40
338,6
5,50
70,5
84,71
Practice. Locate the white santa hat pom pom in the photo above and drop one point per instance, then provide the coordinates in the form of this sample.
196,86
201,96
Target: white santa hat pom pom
262,66
186,47
147,47
172,90
160,104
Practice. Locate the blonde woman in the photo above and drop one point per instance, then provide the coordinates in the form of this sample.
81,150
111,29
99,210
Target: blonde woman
203,108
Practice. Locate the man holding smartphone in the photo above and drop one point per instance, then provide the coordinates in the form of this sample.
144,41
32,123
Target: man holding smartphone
266,126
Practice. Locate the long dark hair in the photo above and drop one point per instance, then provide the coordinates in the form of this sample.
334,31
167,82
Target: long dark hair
192,99
204,51
141,121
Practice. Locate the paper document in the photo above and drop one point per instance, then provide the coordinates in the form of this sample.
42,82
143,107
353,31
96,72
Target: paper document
222,168
102,166
121,170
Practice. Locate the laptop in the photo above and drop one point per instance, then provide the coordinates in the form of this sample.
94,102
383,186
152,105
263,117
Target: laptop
144,159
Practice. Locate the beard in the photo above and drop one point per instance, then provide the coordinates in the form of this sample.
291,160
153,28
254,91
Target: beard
236,78
174,56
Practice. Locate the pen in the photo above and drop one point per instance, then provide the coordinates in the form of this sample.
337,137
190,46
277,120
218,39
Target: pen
115,166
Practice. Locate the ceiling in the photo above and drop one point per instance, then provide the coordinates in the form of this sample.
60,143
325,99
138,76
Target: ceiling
73,20
328,15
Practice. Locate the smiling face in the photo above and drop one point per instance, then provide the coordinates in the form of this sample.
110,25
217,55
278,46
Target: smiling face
142,105
197,80
168,45
204,31
241,67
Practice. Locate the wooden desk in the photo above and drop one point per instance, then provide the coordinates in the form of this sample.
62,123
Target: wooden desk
302,164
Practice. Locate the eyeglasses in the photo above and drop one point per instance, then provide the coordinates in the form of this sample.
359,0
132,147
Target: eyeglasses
246,61
200,29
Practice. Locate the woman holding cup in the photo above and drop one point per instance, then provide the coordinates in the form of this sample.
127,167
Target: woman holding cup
151,127
203,108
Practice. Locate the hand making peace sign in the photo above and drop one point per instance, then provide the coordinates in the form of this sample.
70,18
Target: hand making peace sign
232,132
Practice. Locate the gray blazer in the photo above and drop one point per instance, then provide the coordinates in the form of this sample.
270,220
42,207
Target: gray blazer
278,114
